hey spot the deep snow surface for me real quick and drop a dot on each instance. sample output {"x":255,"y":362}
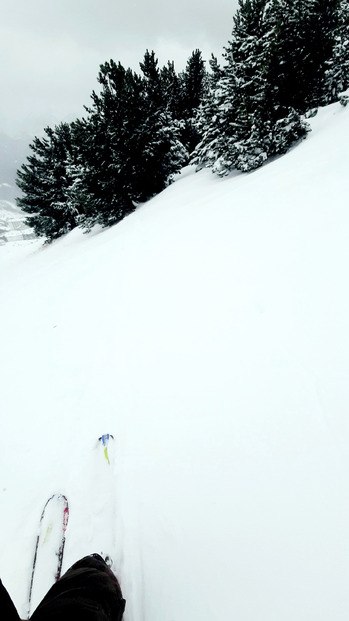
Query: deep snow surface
{"x":209,"y":332}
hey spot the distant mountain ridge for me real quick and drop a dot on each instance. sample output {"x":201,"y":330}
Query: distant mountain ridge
{"x":13,"y":152}
{"x":12,"y":223}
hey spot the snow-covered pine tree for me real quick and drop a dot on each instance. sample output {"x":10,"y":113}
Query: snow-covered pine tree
{"x":194,"y":82}
{"x":130,"y":146}
{"x":159,"y":153}
{"x":209,"y":121}
{"x":108,"y":144}
{"x":78,"y":199}
{"x":290,"y":66}
{"x":337,"y":66}
{"x":284,"y":33}
{"x":44,"y":181}
{"x":235,"y":136}
{"x":194,"y":78}
{"x":78,"y":196}
{"x":172,"y":91}
{"x":247,"y":122}
{"x":303,"y":40}
{"x":246,"y":57}
{"x":326,"y":16}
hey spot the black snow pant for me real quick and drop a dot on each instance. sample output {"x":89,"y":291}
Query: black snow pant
{"x":88,"y":591}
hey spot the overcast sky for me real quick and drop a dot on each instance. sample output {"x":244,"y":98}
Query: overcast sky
{"x":51,"y":50}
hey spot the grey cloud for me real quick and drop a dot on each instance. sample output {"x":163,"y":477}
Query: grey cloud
{"x":53,"y":48}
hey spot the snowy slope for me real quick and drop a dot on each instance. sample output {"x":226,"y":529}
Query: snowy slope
{"x":209,"y":333}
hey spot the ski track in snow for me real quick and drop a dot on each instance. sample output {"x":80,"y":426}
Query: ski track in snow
{"x":208,"y":332}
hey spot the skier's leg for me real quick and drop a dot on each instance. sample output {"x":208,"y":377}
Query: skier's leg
{"x":88,"y":590}
{"x":8,"y":611}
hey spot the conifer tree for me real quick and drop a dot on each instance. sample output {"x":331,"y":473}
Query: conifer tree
{"x":248,"y":122}
{"x":209,"y":122}
{"x":172,"y":91}
{"x":194,"y":86}
{"x":303,"y":40}
{"x":194,"y":82}
{"x":108,"y":144}
{"x":160,"y":152}
{"x":324,"y":28}
{"x":130,"y":141}
{"x":233,"y":138}
{"x":336,"y":78}
{"x":44,"y":181}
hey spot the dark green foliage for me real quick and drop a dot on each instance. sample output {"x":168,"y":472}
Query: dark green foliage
{"x":337,"y":66}
{"x":284,"y":58}
{"x":302,"y":43}
{"x":194,"y":85}
{"x":98,"y":168}
{"x":131,"y":142}
{"x":194,"y":82}
{"x":172,"y":91}
{"x":183,"y":94}
{"x":44,"y":181}
{"x":291,"y":67}
{"x":161,"y":153}
{"x":108,"y":143}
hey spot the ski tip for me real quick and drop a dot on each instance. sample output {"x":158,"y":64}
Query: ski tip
{"x":104,"y":440}
{"x":105,"y":437}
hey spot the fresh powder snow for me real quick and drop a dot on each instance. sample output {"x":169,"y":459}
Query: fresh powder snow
{"x":209,"y":333}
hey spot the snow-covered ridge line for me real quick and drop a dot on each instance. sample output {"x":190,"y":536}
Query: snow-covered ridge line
{"x":12,"y":223}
